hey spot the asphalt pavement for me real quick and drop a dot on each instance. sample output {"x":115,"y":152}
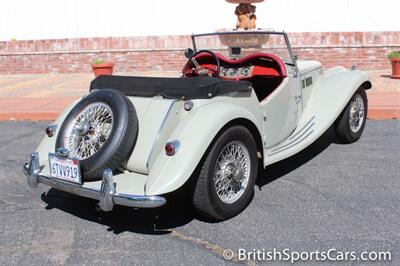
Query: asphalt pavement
{"x":330,"y":196}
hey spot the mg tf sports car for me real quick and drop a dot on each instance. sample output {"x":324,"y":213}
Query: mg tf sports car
{"x":243,"y":100}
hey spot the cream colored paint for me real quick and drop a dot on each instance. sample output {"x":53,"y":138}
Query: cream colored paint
{"x":151,"y":113}
{"x":196,"y":130}
{"x":126,"y":183}
{"x":326,"y":102}
{"x":195,"y":134}
{"x":309,"y":69}
{"x":169,"y":173}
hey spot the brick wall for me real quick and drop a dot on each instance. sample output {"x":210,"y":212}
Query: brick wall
{"x":367,"y":50}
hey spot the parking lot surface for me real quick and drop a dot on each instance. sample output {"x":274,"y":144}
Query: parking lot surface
{"x":345,"y":197}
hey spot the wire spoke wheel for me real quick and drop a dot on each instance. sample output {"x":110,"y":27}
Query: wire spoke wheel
{"x":89,"y":130}
{"x":350,"y":125}
{"x":100,"y":131}
{"x":232,"y":172}
{"x":357,"y":113}
{"x":225,"y":185}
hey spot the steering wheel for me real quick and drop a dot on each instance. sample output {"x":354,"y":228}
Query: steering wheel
{"x":202,"y":70}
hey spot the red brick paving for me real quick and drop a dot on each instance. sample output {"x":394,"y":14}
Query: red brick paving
{"x":25,"y":108}
{"x":384,"y":98}
{"x":384,"y":105}
{"x":44,"y":96}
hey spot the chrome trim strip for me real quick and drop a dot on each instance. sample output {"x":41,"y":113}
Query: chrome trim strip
{"x":285,"y":139}
{"x":294,"y":144}
{"x":159,"y":132}
{"x":309,"y":121}
{"x":294,"y":140}
{"x":107,"y":195}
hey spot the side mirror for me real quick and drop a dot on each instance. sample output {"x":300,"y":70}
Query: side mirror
{"x":189,"y":53}
{"x":296,"y":57}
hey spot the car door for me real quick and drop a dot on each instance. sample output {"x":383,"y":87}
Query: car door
{"x":282,"y":109}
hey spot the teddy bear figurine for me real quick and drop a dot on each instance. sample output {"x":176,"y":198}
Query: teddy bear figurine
{"x":253,"y":17}
{"x":246,"y":19}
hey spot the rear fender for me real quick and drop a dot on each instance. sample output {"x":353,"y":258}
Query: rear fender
{"x":48,"y":144}
{"x":195,"y":135}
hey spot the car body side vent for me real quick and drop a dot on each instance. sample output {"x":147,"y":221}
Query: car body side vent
{"x":309,"y":81}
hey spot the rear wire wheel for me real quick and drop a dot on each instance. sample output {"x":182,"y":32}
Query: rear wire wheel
{"x":225,"y":184}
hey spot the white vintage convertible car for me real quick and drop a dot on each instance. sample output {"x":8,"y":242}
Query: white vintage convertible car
{"x":239,"y":104}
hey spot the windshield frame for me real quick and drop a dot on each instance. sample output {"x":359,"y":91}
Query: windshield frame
{"x":284,"y":34}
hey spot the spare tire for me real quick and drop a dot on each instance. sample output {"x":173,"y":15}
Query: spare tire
{"x":100,"y":131}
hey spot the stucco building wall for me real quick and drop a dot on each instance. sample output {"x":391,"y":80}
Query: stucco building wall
{"x":57,"y":36}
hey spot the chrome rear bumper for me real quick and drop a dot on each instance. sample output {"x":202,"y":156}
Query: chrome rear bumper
{"x":107,"y":194}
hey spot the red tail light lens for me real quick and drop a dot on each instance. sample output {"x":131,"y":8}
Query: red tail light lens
{"x":51,"y":130}
{"x":171,"y":148}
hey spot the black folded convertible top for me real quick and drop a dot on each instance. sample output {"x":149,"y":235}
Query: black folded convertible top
{"x":173,"y":88}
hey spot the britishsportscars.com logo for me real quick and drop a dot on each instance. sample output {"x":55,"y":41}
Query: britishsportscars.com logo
{"x":288,"y":255}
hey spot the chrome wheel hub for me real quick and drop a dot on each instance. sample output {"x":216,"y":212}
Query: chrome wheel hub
{"x":88,"y":132}
{"x":356,"y":116}
{"x":232,"y":172}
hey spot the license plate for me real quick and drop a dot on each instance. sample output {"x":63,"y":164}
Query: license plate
{"x":65,"y":168}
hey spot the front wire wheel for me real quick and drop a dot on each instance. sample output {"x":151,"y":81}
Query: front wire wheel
{"x":351,"y":122}
{"x":225,"y":184}
{"x":357,"y":113}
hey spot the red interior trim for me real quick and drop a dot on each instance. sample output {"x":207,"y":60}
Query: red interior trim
{"x":249,"y":58}
{"x":265,"y":71}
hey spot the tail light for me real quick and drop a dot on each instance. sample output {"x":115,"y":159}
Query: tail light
{"x":51,"y":130}
{"x":172,"y":147}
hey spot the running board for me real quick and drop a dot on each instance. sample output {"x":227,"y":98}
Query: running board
{"x":293,"y":144}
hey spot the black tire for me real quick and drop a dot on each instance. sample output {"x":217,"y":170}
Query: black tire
{"x":344,"y":131}
{"x":120,"y":143}
{"x":205,"y":198}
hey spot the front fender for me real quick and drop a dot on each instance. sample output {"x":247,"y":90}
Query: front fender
{"x":341,"y":77}
{"x":335,"y":91}
{"x":339,"y":85}
{"x":195,"y":134}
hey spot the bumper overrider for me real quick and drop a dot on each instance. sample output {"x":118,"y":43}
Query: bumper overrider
{"x":106,"y":195}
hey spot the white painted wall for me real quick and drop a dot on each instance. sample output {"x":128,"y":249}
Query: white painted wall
{"x":43,"y":19}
